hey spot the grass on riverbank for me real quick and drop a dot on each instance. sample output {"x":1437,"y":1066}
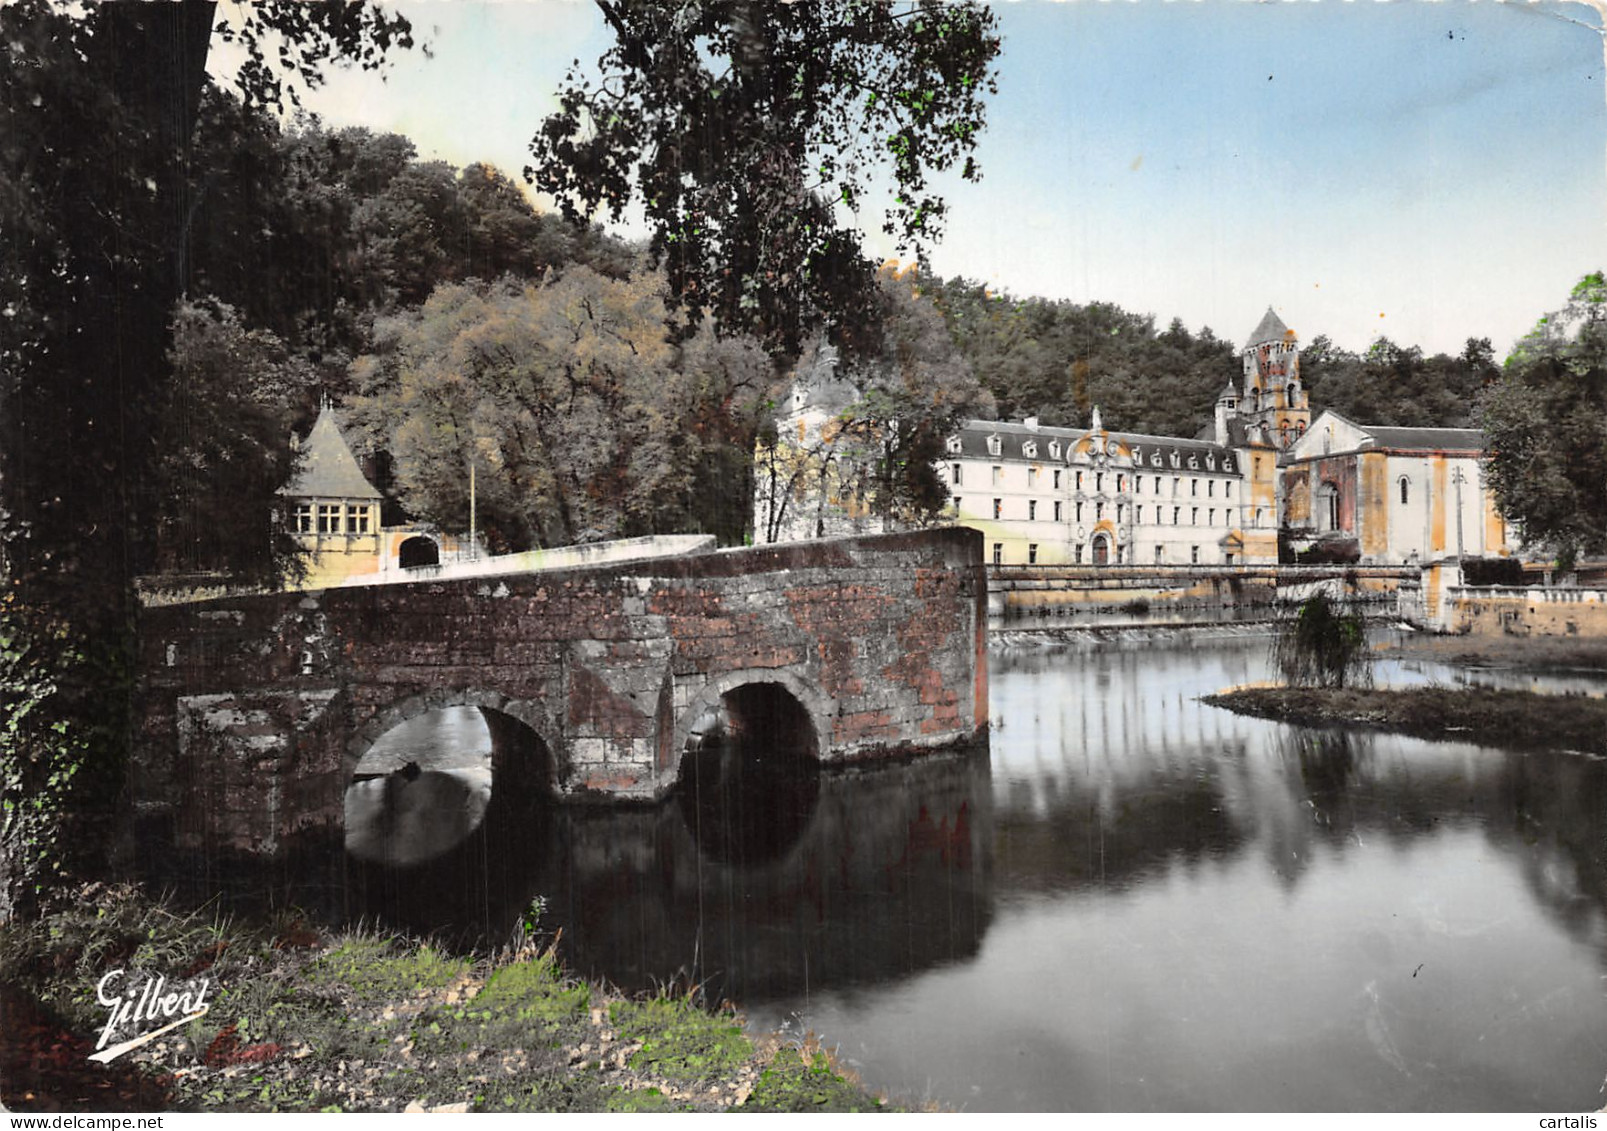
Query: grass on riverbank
{"x":1519,"y":719}
{"x":301,"y":1020}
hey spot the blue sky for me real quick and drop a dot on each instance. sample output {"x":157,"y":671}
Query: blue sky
{"x":1427,"y":170}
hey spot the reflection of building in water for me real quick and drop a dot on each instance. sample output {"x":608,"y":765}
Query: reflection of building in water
{"x":1112,"y":773}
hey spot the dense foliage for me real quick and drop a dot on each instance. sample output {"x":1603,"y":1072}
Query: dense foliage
{"x":1546,"y":422}
{"x":583,"y":419}
{"x":1057,"y":359}
{"x":97,"y":195}
{"x":748,"y":130}
{"x":881,"y":449}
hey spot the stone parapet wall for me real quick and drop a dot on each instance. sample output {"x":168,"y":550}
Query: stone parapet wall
{"x":254,"y":711}
{"x":531,"y":561}
{"x":1031,"y":588}
{"x":1526,"y":612}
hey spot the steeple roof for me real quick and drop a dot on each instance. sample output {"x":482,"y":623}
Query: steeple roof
{"x":1269,"y":329}
{"x":328,"y":468}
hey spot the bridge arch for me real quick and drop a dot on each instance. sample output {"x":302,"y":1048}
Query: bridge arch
{"x":747,"y":767}
{"x":522,"y":753}
{"x":728,"y":694}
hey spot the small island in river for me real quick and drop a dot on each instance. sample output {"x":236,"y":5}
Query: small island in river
{"x":1519,"y":719}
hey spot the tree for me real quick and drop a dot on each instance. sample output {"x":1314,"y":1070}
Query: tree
{"x":583,"y":419}
{"x":877,"y":456}
{"x":224,"y":449}
{"x":95,"y":172}
{"x":743,"y":127}
{"x":1545,"y":421}
{"x":1323,"y":644}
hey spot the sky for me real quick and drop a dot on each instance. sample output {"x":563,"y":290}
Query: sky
{"x":1429,"y":170}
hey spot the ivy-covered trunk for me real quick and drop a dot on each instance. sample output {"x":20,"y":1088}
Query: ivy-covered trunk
{"x":64,"y":741}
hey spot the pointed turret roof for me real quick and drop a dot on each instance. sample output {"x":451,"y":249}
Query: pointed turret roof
{"x":328,"y":468}
{"x":1269,"y":329}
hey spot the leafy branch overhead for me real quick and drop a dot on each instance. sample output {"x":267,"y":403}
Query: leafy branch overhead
{"x":750,"y":133}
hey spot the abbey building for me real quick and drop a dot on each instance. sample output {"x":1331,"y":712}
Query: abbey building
{"x":1043,"y":495}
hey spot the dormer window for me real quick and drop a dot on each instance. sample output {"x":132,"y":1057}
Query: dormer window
{"x":1194,"y":463}
{"x":954,"y":445}
{"x":1210,"y":461}
{"x":1177,"y":460}
{"x":1030,"y":449}
{"x":994,"y":446}
{"x":1138,"y":455}
{"x":1054,"y":449}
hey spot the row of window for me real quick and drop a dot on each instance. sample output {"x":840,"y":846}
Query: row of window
{"x":330,"y":518}
{"x":1122,"y":554}
{"x":957,"y":478}
{"x":1078,"y":514}
{"x":1029,"y":450}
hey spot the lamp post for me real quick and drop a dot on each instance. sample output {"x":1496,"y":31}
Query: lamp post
{"x":1457,"y":479}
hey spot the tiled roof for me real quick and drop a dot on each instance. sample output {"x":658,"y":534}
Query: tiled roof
{"x":328,"y":468}
{"x":1426,"y":439}
{"x":1269,"y":329}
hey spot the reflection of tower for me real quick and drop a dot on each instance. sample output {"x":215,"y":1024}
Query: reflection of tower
{"x":1273,"y":395}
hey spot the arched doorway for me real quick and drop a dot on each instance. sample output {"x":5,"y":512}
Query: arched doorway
{"x":1101,"y":550}
{"x":418,"y":551}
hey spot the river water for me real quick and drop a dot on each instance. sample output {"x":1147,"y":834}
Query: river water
{"x":1130,"y":901}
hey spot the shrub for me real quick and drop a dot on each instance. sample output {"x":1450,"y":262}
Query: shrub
{"x":1324,"y":644}
{"x":1492,"y":571}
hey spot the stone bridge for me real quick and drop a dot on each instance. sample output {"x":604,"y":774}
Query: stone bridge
{"x":253,"y":712}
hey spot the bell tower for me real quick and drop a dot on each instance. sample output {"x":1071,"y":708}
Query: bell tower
{"x":1274,"y":396}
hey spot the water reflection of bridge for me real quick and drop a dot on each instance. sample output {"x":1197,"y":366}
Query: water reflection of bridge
{"x":856,"y":878}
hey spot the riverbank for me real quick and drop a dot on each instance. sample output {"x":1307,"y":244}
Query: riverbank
{"x":1519,"y":719}
{"x":304,"y":1019}
{"x":1549,"y":653}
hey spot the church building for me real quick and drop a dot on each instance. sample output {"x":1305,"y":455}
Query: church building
{"x":1393,"y":494}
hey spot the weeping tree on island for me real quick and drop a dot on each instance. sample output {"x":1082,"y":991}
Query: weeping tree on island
{"x":1324,"y":644}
